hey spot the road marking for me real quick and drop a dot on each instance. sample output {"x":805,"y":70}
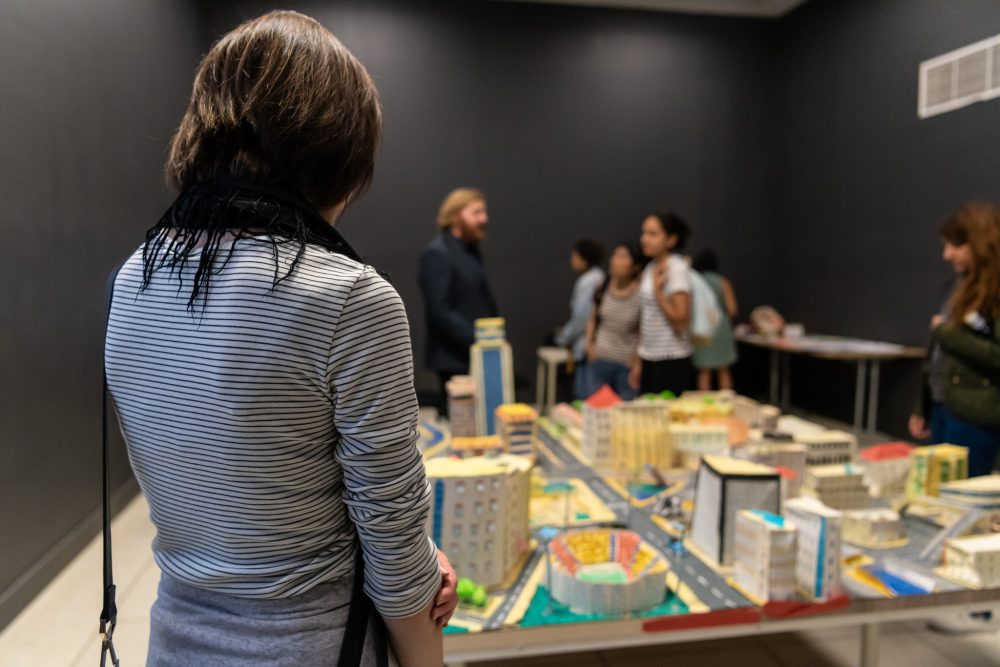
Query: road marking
{"x":702,"y":580}
{"x":716,"y":593}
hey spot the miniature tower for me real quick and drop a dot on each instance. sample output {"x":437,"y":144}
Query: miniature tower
{"x":935,"y":465}
{"x":640,"y":435}
{"x":462,"y":406}
{"x":480,"y":513}
{"x":516,"y":423}
{"x":765,"y":555}
{"x":597,"y":443}
{"x":723,"y":487}
{"x":492,"y":371}
{"x":817,"y":566}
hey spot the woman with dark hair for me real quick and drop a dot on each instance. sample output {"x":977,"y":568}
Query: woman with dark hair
{"x":960,"y":401}
{"x":585,"y":259}
{"x":664,"y":354}
{"x":263,"y":378}
{"x":720,"y":354}
{"x":613,"y":327}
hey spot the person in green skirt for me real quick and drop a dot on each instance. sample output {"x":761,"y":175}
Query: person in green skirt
{"x":721,"y":353}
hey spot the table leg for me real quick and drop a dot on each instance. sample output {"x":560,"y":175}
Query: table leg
{"x":540,"y":386}
{"x":786,"y":382}
{"x":859,"y":395}
{"x":873,"y":382}
{"x":775,"y":377}
{"x":869,"y":645}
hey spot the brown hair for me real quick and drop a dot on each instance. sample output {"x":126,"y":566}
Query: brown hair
{"x":978,"y":225}
{"x":280,"y":100}
{"x":455,"y":201}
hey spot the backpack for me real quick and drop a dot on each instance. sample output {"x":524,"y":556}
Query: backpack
{"x":706,"y":313}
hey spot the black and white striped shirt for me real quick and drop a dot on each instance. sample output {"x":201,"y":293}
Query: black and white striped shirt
{"x":658,"y":341}
{"x":268,"y":424}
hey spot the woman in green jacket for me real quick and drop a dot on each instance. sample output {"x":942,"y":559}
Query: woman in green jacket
{"x":966,"y":372}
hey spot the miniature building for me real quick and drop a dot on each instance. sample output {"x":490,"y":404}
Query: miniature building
{"x":828,"y":447}
{"x":566,"y":416}
{"x":974,"y":560}
{"x":797,"y":426}
{"x":817,"y":563}
{"x":462,"y":406}
{"x":759,"y":416}
{"x":886,"y":467}
{"x":597,"y":441}
{"x":692,"y":440}
{"x":765,"y":555}
{"x":571,"y":421}
{"x":722,"y":396}
{"x":639,"y":435}
{"x":840,"y":486}
{"x":602,"y":571}
{"x":873,"y":528}
{"x":516,"y":423}
{"x":492,"y":371}
{"x":935,"y":465}
{"x":790,"y":456}
{"x":486,"y":445}
{"x":687,"y":408}
{"x":979,"y":492}
{"x":722,"y":488}
{"x":480,"y":514}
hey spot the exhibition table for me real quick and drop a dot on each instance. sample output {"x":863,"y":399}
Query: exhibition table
{"x":867,"y":356}
{"x":866,"y":614}
{"x":712,"y":608}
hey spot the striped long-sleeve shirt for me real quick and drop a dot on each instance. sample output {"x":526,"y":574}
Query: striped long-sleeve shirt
{"x":267,"y":425}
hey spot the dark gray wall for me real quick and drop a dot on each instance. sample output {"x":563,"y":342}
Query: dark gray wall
{"x":575,"y":122}
{"x":863,"y":182}
{"x":92,"y":90}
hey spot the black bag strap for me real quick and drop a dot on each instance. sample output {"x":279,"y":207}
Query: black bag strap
{"x":353,"y":645}
{"x":109,"y":612}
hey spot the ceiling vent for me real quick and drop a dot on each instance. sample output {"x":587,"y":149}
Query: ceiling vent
{"x":959,"y":78}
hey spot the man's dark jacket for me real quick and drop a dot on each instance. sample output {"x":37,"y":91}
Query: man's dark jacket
{"x":456,"y":293}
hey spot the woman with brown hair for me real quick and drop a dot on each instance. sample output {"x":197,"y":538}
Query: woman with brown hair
{"x":263,"y":378}
{"x":960,"y":401}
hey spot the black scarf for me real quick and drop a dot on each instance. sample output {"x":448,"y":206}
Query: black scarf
{"x":205,"y":214}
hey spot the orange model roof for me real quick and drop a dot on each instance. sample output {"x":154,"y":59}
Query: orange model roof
{"x":886,"y":451}
{"x":604,"y":397}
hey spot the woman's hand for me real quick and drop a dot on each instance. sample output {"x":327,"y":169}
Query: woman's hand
{"x":591,"y":352}
{"x":447,"y":597}
{"x":936,"y":321}
{"x":659,"y":278}
{"x":635,"y":374}
{"x":918,"y":427}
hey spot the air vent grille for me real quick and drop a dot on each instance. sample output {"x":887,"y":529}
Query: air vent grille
{"x":959,"y":78}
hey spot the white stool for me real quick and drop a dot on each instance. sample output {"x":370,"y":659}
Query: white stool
{"x":549,"y":359}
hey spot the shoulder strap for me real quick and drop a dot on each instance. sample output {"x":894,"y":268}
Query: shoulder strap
{"x":109,"y":612}
{"x":352,"y":646}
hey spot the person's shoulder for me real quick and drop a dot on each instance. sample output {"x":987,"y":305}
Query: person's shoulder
{"x":437,"y":244}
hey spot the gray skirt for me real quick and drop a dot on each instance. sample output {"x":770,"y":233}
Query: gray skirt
{"x":191,"y":626}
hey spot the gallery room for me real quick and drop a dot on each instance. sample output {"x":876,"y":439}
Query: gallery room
{"x":496,"y":332}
